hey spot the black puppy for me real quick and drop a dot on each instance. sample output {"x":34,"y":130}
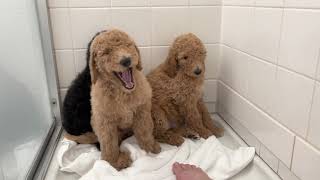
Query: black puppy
{"x":77,"y":106}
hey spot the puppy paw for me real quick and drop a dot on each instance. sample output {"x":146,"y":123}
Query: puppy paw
{"x":123,"y":161}
{"x":176,"y":140}
{"x":205,"y":133}
{"x":193,"y":136}
{"x":156,"y":148}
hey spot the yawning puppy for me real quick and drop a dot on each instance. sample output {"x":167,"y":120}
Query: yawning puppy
{"x":177,"y":106}
{"x":120,"y":96}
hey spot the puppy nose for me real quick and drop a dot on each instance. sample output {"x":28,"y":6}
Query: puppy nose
{"x":126,"y":61}
{"x":197,"y":71}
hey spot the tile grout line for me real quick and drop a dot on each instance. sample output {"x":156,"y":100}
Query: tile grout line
{"x":292,"y":155}
{"x":268,"y":62}
{"x":266,"y":113}
{"x":313,"y":96}
{"x":279,"y":42}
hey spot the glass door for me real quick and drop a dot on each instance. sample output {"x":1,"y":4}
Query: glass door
{"x":26,"y":117}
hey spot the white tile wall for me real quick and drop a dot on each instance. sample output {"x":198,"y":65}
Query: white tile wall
{"x":57,"y":3}
{"x":125,"y":3}
{"x":314,"y":126}
{"x":210,"y":91}
{"x":89,"y":3}
{"x":205,"y":23}
{"x":300,"y":41}
{"x":80,"y":59}
{"x":302,"y":3}
{"x":285,"y":173}
{"x":169,"y":2}
{"x":205,"y":2}
{"x":159,"y":55}
{"x":306,"y":160}
{"x":139,"y":25}
{"x":86,"y":22}
{"x":293,"y":100}
{"x":280,"y":106}
{"x":269,"y":158}
{"x":66,"y":68}
{"x":264,"y":39}
{"x":61,"y":30}
{"x":212,"y":61}
{"x":145,"y":53}
{"x":168,"y":23}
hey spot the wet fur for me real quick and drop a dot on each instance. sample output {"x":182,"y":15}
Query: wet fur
{"x":178,"y":109}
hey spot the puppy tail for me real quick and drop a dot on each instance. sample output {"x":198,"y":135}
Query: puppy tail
{"x":87,"y":138}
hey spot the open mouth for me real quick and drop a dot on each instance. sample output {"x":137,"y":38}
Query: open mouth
{"x":126,"y":78}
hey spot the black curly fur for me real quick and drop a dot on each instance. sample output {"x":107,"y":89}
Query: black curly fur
{"x":77,"y":106}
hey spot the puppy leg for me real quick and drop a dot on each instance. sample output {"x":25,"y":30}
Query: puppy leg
{"x":162,"y":126}
{"x":86,"y":138}
{"x":109,"y":144}
{"x":194,"y":120}
{"x":187,"y":132}
{"x":143,"y":129}
{"x":207,"y":121}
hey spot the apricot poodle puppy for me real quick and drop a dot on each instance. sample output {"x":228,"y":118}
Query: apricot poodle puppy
{"x":120,"y":96}
{"x":177,"y":107}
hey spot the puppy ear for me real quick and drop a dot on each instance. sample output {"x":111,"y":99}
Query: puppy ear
{"x":171,"y":64}
{"x":93,"y":66}
{"x":139,"y":65}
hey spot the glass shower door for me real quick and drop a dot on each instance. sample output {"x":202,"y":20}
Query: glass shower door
{"x":25,"y":112}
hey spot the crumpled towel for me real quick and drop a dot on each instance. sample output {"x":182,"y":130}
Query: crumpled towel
{"x":217,"y":160}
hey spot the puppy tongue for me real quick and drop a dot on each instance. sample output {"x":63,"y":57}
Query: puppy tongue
{"x":126,"y":77}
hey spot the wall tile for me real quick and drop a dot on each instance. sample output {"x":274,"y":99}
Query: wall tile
{"x":300,"y":42}
{"x":269,"y":3}
{"x":66,"y":69}
{"x":169,"y":2}
{"x":269,"y":158}
{"x":285,"y":173}
{"x":210,"y":91}
{"x":139,"y":26}
{"x":266,"y":31}
{"x":211,"y":107}
{"x":273,"y":135}
{"x":63,"y":93}
{"x":57,"y":3}
{"x":318,"y":76}
{"x":314,"y":126}
{"x":205,"y":2}
{"x":212,"y":61}
{"x":89,"y":3}
{"x":239,"y":2}
{"x":261,"y":84}
{"x":234,"y":69}
{"x":159,"y":55}
{"x":236,"y":26}
{"x":119,"y":3}
{"x":306,"y":161}
{"x":302,"y":3}
{"x":205,"y":23}
{"x":145,"y":53}
{"x":168,"y":23}
{"x":250,"y":139}
{"x":293,"y":100}
{"x":80,"y":59}
{"x":86,"y":23}
{"x":60,"y":23}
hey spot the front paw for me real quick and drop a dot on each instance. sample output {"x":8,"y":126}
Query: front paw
{"x":205,"y":133}
{"x":151,"y":147}
{"x":123,"y":161}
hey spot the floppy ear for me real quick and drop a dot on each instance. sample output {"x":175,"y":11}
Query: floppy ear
{"x":139,"y":65}
{"x":171,"y":64}
{"x":93,"y":66}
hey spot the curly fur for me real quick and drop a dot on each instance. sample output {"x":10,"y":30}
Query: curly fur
{"x":177,"y":107}
{"x":116,"y":109}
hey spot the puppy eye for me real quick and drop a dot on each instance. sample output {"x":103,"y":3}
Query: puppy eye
{"x":185,"y":57}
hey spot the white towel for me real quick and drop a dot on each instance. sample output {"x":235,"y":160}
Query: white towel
{"x":217,"y":160}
